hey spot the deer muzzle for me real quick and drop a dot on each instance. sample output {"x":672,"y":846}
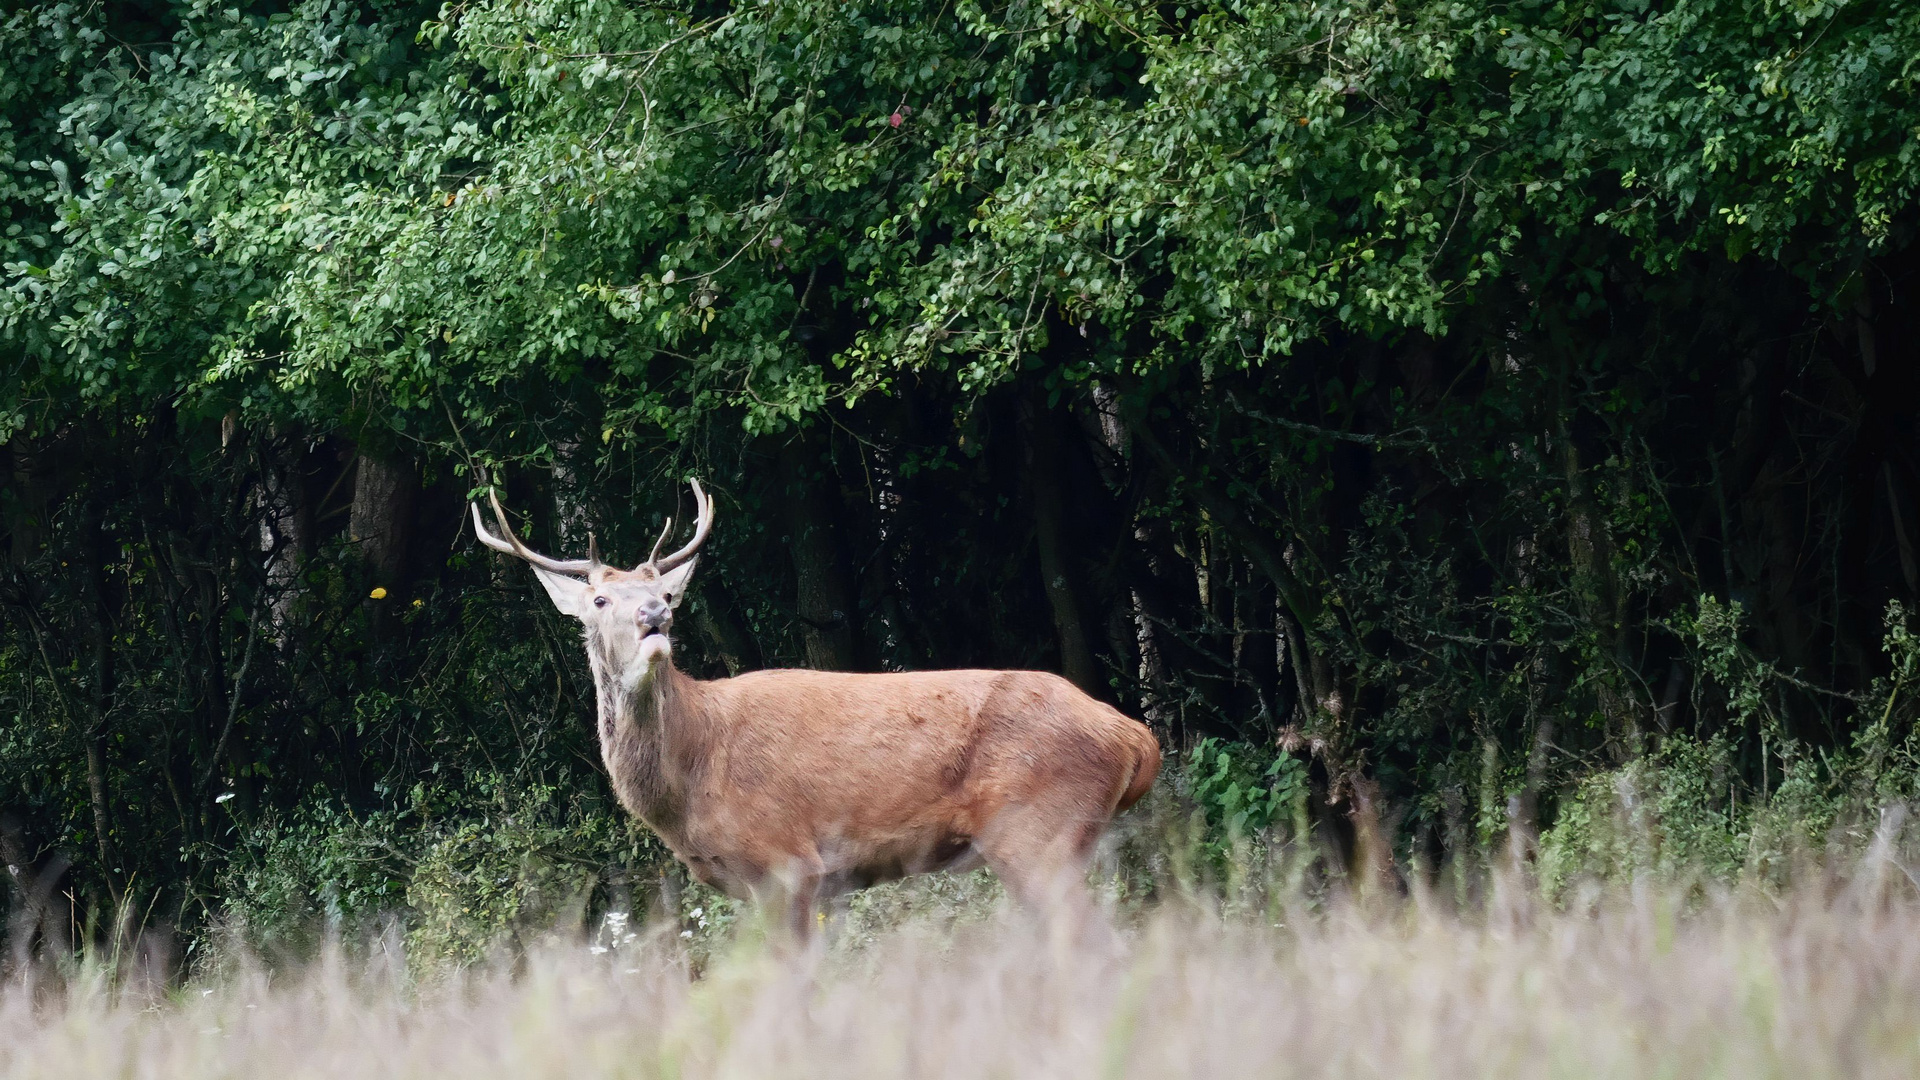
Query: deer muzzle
{"x":653,"y":617}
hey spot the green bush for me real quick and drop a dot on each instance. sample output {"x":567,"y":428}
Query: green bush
{"x":1684,"y":810}
{"x":1243,"y":792}
{"x":1670,"y":812}
{"x":317,"y":867}
{"x":465,"y":869}
{"x":532,"y":865}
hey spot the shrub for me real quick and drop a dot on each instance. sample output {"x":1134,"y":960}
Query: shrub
{"x":1243,"y":792}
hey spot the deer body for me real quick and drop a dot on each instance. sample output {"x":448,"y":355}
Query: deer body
{"x":851,"y":780}
{"x":789,"y":785}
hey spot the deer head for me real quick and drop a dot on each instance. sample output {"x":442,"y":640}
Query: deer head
{"x":627,"y":614}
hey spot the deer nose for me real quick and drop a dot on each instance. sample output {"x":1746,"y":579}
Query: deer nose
{"x":653,"y":613}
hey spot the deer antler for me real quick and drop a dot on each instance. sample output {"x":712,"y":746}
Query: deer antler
{"x":665,"y":531}
{"x":703,"y":524}
{"x":512,"y":545}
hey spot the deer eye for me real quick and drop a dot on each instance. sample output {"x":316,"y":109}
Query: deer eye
{"x":668,"y":597}
{"x":599,"y":601}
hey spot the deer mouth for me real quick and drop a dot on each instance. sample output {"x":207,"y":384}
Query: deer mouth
{"x":654,"y":646}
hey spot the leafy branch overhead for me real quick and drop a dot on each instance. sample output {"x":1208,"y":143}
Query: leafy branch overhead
{"x":759,"y":211}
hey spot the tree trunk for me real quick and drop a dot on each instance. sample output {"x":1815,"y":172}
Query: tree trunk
{"x":715,"y":619}
{"x":286,"y":531}
{"x":1048,"y":492}
{"x":573,"y":518}
{"x":1256,"y":653}
{"x":99,"y":699}
{"x":381,"y":522}
{"x":823,"y":586}
{"x":1590,"y":553}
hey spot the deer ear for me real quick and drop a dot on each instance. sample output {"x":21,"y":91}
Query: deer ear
{"x":569,"y":594}
{"x":673,"y":583}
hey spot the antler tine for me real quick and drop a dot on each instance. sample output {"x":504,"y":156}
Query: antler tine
{"x":512,"y":545}
{"x":487,"y":538}
{"x":665,"y":531}
{"x":703,"y":524}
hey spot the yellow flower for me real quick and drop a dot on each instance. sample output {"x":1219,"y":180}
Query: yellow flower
{"x":378,"y":593}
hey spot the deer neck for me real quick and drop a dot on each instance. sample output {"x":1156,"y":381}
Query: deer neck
{"x":650,"y":732}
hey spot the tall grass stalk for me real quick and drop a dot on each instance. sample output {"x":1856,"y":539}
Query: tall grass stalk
{"x":1648,"y":979}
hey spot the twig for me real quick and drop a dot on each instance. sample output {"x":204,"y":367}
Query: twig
{"x":239,"y":680}
{"x":1398,"y":440}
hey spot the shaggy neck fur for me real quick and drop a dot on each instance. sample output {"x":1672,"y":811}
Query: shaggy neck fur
{"x":646,"y":735}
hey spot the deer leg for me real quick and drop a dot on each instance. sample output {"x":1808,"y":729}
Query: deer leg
{"x":800,"y":907}
{"x":787,"y":896}
{"x":1041,"y":853}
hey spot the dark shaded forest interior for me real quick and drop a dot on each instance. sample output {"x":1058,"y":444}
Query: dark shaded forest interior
{"x":1462,"y":404}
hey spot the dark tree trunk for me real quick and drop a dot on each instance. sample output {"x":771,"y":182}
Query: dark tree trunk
{"x":1596,"y":590}
{"x":99,"y":630}
{"x":286,"y":529}
{"x":823,"y":589}
{"x":1048,"y":492}
{"x":717,"y":621}
{"x":1256,"y":656}
{"x":385,"y":490}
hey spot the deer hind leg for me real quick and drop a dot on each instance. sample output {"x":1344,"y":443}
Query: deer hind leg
{"x":1041,"y":852}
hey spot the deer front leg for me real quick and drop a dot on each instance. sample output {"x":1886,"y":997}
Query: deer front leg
{"x":801,"y":905}
{"x":789,"y":896}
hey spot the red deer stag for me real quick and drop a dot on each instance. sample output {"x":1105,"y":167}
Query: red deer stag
{"x":789,"y":786}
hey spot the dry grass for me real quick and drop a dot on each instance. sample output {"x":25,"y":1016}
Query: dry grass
{"x":1822,"y":982}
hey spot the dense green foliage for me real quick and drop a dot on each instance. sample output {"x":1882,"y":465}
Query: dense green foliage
{"x":1475,"y":404}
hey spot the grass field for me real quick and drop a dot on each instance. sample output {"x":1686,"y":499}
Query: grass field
{"x":1652,"y":980}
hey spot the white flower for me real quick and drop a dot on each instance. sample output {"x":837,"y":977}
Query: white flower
{"x":697,"y":912}
{"x":223,"y":797}
{"x":596,"y":949}
{"x":686,"y":933}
